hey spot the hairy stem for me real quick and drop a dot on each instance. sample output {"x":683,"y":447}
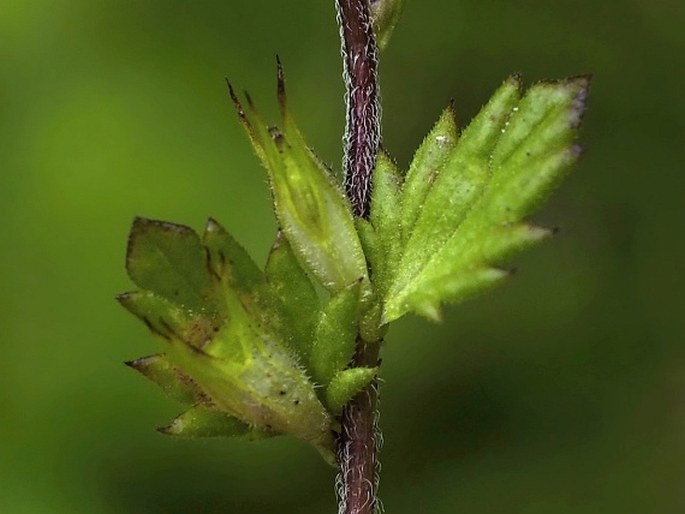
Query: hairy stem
{"x":363,"y":127}
{"x":357,"y":443}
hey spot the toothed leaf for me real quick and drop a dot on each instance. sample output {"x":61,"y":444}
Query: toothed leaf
{"x":175,"y":384}
{"x":170,"y":320}
{"x":250,"y":376}
{"x":202,"y":421}
{"x":505,"y":164}
{"x":232,"y":345}
{"x":457,"y":185}
{"x":169,"y":260}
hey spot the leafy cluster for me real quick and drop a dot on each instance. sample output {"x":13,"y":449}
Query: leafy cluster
{"x":438,"y":233}
{"x":261,"y":352}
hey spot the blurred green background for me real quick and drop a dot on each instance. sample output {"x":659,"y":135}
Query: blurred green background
{"x":563,"y":392}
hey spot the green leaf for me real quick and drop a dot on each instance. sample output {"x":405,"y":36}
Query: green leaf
{"x":170,"y":320}
{"x":336,"y":334}
{"x":228,"y":344}
{"x":175,"y":384}
{"x":169,"y":260}
{"x":385,"y":15}
{"x":426,"y":301}
{"x":457,"y":185}
{"x":250,"y":376}
{"x":226,"y":258}
{"x":429,"y":160}
{"x":201,"y":421}
{"x":370,"y":243}
{"x":311,"y":209}
{"x":386,"y":210}
{"x":295,"y":294}
{"x":346,"y":384}
{"x":503,"y":167}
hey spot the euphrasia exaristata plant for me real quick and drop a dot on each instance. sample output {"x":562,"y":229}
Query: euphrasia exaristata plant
{"x":280,"y":349}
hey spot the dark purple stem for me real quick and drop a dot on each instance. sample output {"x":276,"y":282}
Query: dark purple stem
{"x":363,"y":127}
{"x":357,"y":443}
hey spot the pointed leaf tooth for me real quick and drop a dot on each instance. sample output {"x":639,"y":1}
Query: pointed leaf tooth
{"x":247,"y":126}
{"x":547,"y":118}
{"x":480,"y":244}
{"x":428,"y":162}
{"x":202,"y":421}
{"x":345,"y":385}
{"x":175,"y":384}
{"x":268,"y":138}
{"x":169,"y":260}
{"x":454,"y":288}
{"x":430,"y":310}
{"x":336,"y":334}
{"x":174,"y":324}
{"x":539,"y":150}
{"x":499,"y":244}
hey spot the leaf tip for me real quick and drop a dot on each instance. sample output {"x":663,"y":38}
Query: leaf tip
{"x":213,"y":226}
{"x":166,"y":430}
{"x":431,"y":311}
{"x":580,"y":87}
{"x":237,"y":104}
{"x":142,"y":363}
{"x":124,"y":298}
{"x":515,"y":80}
{"x":280,"y":88}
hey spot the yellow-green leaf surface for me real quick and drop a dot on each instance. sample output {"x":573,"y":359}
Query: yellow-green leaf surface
{"x":217,"y":325}
{"x":175,"y":384}
{"x":202,"y":421}
{"x":463,"y":207}
{"x":310,"y":207}
{"x":385,"y":217}
{"x":346,"y":384}
{"x":428,"y":161}
{"x":169,"y":260}
{"x":292,"y":289}
{"x":336,"y":334}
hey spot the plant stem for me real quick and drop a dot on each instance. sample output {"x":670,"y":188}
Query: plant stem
{"x":363,"y":127}
{"x":357,"y":443}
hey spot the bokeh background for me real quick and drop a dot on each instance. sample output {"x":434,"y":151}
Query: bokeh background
{"x":563,"y":392}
